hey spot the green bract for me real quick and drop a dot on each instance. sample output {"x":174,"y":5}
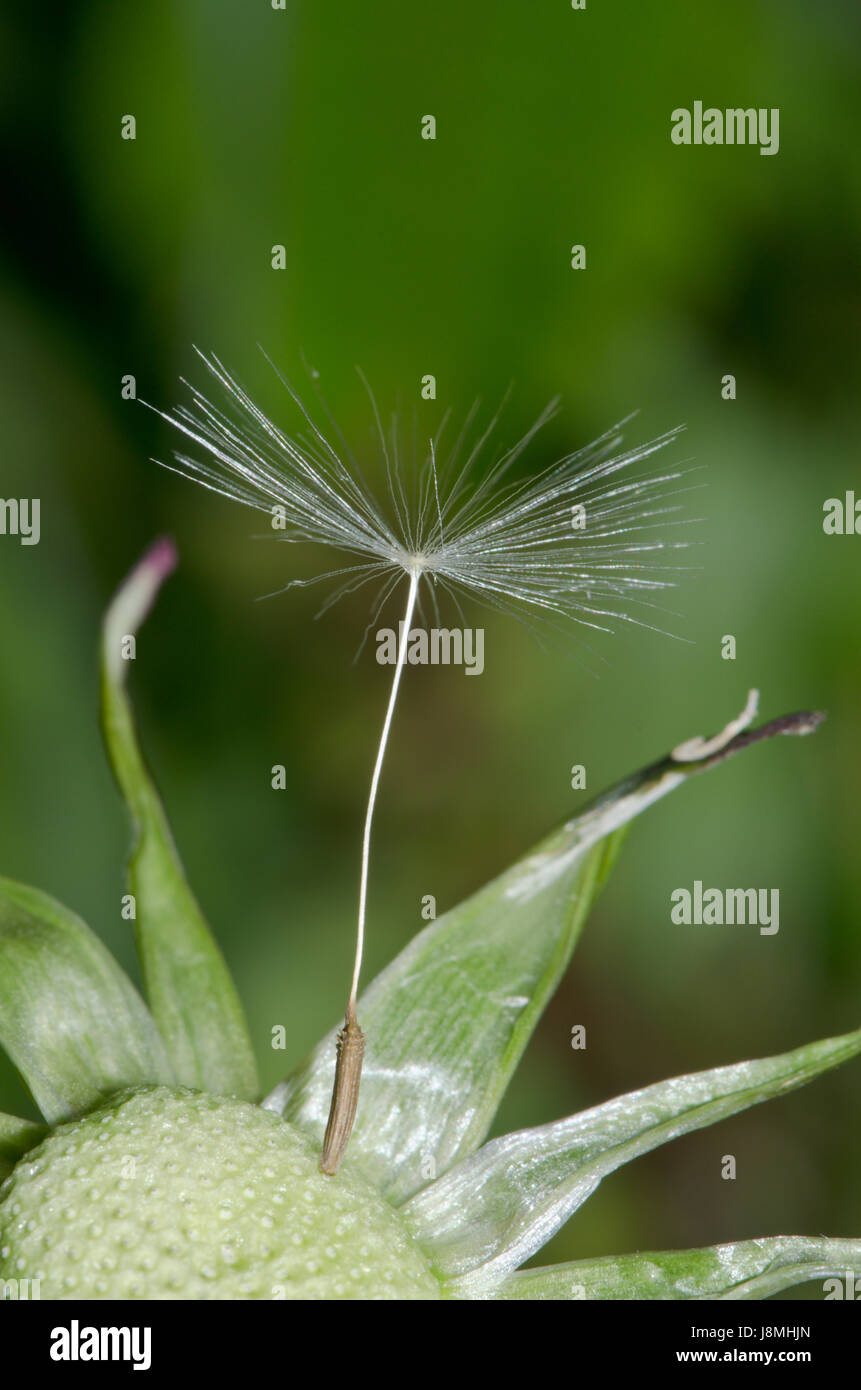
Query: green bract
{"x":160,"y":1176}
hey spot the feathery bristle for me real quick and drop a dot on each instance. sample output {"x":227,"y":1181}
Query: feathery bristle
{"x":511,"y":543}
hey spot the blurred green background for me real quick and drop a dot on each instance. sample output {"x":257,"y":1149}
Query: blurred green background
{"x":301,"y":127}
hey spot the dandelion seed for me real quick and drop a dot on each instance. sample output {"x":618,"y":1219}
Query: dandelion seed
{"x":580,"y":541}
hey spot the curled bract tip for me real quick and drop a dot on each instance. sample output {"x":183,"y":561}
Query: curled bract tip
{"x":694,"y":749}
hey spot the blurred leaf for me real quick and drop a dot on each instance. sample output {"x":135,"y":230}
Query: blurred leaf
{"x":447,"y":1021}
{"x":490,"y":1213}
{"x":70,"y":1019}
{"x":16,"y":1137}
{"x":187,"y":983}
{"x":748,"y":1269}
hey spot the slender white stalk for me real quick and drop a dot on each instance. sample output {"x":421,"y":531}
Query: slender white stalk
{"x":375,"y":779}
{"x":350,"y":1049}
